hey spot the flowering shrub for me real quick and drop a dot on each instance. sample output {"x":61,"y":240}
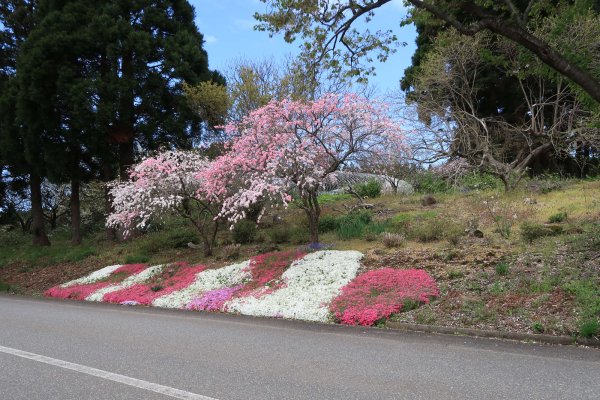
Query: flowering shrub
{"x":171,"y":278}
{"x":80,"y":289}
{"x":297,"y":146}
{"x":310,"y":284}
{"x":377,"y":294}
{"x":163,"y":184}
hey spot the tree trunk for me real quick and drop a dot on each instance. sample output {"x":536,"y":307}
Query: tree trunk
{"x":37,"y":216}
{"x":107,"y":175}
{"x":313,"y":224}
{"x":75,"y":212}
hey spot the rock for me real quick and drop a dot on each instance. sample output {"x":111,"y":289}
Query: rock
{"x":428,"y":200}
{"x":477,"y":233}
{"x":530,"y":201}
{"x":474,"y":233}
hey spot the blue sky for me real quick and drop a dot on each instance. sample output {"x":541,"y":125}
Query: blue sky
{"x":227,"y":26}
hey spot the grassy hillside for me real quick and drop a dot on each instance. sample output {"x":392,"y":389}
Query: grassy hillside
{"x":526,"y":261}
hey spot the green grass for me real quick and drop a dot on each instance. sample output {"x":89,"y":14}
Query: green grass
{"x":502,"y":268}
{"x":327,"y":198}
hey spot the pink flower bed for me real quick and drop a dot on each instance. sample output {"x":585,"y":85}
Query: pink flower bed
{"x":80,"y":292}
{"x":172,"y":277}
{"x":266,"y":270}
{"x":213,"y":300}
{"x":377,"y":294}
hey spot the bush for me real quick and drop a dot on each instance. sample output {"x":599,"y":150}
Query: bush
{"x":244,"y":231}
{"x":589,"y":328}
{"x":299,"y":235}
{"x":370,"y":189}
{"x":558,"y":217}
{"x":481,"y":181}
{"x":502,"y":268}
{"x":430,"y":230}
{"x":136,"y":259}
{"x":328,"y":223}
{"x":230,"y":251}
{"x":353,"y":224}
{"x":279,"y":235}
{"x":428,"y":182}
{"x":427,"y":231}
{"x":532,"y":231}
{"x":390,"y":239}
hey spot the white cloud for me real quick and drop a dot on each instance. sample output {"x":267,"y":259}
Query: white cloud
{"x":209,"y":39}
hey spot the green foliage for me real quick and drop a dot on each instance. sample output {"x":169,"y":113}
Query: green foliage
{"x":531,"y":231}
{"x":587,"y":294}
{"x":353,"y":225}
{"x":279,"y":235}
{"x":328,"y":223}
{"x":428,"y":183}
{"x":481,"y":181}
{"x":4,"y":287}
{"x":244,"y":231}
{"x":327,"y":198}
{"x":537,"y":327}
{"x":431,"y":230}
{"x":502,"y":268}
{"x":370,"y":189}
{"x":136,"y":258}
{"x":558,"y":217}
{"x":170,"y":237}
{"x":589,"y":328}
{"x":455,"y":274}
{"x":299,"y":235}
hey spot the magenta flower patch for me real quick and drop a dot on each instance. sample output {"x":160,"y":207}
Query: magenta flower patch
{"x":213,"y":300}
{"x":266,"y":270}
{"x":80,"y":292}
{"x":172,"y":277}
{"x":377,"y":294}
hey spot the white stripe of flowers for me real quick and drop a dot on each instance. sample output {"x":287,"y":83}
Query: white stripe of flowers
{"x":130,"y":281}
{"x":312,"y":282}
{"x":210,"y":279}
{"x":93,"y":277}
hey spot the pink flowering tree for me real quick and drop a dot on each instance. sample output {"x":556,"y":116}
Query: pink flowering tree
{"x":290,"y":148}
{"x":164,"y":184}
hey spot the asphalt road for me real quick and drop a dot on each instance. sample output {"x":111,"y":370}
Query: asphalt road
{"x":70,"y":350}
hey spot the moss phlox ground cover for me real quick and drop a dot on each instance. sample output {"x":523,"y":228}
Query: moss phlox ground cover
{"x":375,"y":295}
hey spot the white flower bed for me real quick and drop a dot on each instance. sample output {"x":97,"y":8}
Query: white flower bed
{"x":210,"y":279}
{"x":130,"y":281}
{"x":93,"y":277}
{"x":312,"y":282}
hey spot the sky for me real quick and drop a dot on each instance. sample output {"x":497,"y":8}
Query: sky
{"x":227,"y":26}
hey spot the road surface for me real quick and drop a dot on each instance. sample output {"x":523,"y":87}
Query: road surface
{"x":70,"y":350}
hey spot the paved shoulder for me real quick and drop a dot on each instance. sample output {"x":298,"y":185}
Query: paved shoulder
{"x":228,"y":357}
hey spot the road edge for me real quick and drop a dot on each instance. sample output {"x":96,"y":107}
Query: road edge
{"x":539,"y":338}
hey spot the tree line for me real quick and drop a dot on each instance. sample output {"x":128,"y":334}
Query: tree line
{"x":85,"y":86}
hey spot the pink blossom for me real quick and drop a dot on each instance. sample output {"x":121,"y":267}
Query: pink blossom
{"x":377,"y":294}
{"x":172,"y":277}
{"x":80,"y":292}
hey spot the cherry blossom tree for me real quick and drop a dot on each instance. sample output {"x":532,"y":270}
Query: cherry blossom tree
{"x":163,"y":184}
{"x":291,"y":148}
